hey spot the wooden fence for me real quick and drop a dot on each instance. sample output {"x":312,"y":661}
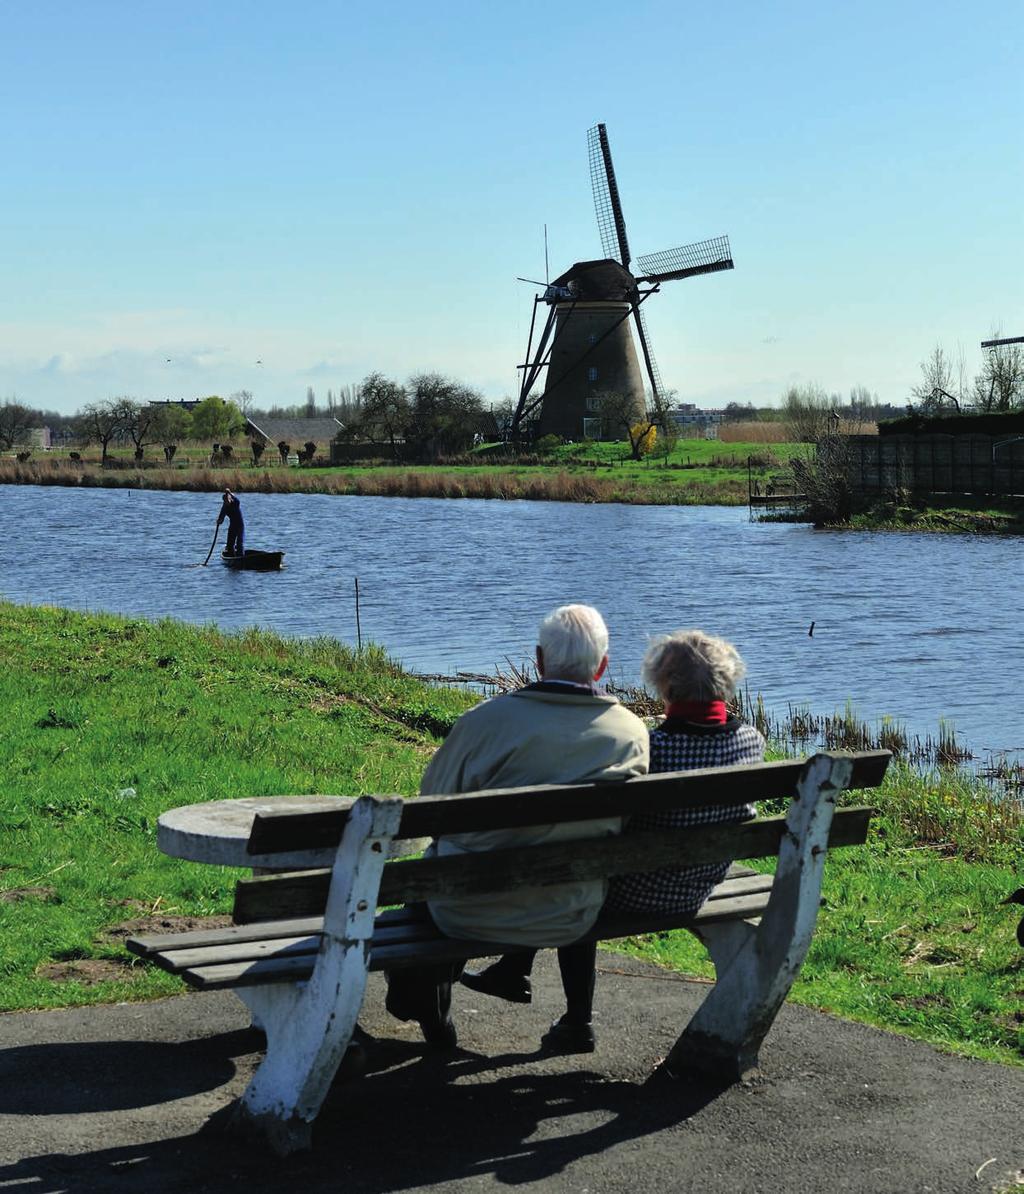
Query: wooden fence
{"x":937,"y":463}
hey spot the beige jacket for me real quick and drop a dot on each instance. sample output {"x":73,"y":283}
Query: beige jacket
{"x":539,"y":735}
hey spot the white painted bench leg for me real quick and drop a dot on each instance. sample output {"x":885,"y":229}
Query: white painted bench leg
{"x":309,"y":1025}
{"x":756,"y":973}
{"x":724,"y":941}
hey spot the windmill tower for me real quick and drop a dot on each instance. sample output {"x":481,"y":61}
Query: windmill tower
{"x":586,"y":344}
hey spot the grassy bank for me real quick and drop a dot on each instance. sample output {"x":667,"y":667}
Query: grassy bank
{"x":110,"y":721}
{"x":961,"y":515}
{"x":696,"y":472}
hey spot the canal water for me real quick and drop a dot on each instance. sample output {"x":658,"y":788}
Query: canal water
{"x":915,"y":627}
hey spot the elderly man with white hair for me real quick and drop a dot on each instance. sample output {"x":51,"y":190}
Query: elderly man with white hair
{"x":559,"y":730}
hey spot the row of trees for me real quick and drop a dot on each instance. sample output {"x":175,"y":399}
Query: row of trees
{"x":861,"y":406}
{"x":123,"y":420}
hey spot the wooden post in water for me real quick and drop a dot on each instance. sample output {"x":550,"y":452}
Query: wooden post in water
{"x":359,"y":630}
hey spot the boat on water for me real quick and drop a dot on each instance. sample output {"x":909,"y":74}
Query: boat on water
{"x":255,"y":561}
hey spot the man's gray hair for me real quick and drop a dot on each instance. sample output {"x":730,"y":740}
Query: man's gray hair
{"x":689,"y":665}
{"x":574,"y":640}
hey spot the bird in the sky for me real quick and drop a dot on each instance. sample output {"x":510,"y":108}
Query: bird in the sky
{"x":259,"y":362}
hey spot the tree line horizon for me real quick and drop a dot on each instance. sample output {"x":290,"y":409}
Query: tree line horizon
{"x":435,"y":413}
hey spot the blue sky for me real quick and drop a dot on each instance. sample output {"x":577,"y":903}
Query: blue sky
{"x":337,"y":188}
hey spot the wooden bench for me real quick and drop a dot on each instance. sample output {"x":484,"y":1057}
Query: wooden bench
{"x":303,"y":942}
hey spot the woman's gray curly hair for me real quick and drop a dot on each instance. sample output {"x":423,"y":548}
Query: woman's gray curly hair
{"x":689,"y":665}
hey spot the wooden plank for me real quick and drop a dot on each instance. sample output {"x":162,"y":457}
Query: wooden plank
{"x":432,"y":816}
{"x":297,"y":968}
{"x":176,"y":960}
{"x":745,"y":885}
{"x":144,"y":946}
{"x":249,"y":943}
{"x":431,"y":947}
{"x":466,"y":875}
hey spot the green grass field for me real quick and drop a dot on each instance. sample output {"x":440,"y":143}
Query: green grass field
{"x":110,"y":721}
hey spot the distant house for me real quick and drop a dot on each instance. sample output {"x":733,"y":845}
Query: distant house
{"x":295,"y":432}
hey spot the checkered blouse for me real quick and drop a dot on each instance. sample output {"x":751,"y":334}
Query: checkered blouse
{"x":685,"y":746}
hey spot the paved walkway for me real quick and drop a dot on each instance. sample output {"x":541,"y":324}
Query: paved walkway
{"x":118,"y":1098}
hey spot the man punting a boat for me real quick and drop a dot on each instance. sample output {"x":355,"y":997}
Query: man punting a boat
{"x":231,"y":510}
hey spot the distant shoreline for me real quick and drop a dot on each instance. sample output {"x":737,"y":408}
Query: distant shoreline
{"x":561,"y":481}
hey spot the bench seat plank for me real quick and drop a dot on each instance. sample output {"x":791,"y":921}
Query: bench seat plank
{"x":150,"y":944}
{"x":201,"y":948}
{"x":398,"y":933}
{"x":229,"y":966}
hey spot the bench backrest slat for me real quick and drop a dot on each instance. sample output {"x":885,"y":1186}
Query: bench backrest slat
{"x":303,"y":893}
{"x":432,"y":816}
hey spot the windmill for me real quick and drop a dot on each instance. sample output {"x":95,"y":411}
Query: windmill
{"x":586,"y":345}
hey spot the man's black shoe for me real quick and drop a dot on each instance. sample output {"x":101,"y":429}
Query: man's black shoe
{"x":514,"y":988}
{"x":563,"y":1037}
{"x":439,"y":1031}
{"x":398,"y":1004}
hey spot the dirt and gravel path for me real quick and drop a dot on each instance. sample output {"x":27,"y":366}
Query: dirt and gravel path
{"x":119,"y":1098}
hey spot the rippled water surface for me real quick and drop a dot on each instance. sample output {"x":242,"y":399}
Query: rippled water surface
{"x":915,"y":626}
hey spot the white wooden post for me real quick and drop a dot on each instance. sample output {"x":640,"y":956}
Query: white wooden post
{"x":757,"y":966}
{"x":309,"y":1025}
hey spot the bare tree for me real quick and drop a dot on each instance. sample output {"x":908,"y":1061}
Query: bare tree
{"x":825,"y":481}
{"x":863,"y":404}
{"x":102,"y":422}
{"x":16,"y":421}
{"x":243,"y":400}
{"x":934,"y":392}
{"x":142,"y":424}
{"x":622,"y":416}
{"x":1000,"y":384}
{"x":810,"y":413}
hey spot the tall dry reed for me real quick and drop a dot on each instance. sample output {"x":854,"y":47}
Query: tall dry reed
{"x":754,"y":433}
{"x":562,"y":486}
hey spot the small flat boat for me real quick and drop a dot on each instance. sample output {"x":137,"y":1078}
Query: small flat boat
{"x":255,"y":561}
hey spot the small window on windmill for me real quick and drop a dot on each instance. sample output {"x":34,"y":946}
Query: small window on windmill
{"x":592,"y":338}
{"x":592,"y":373}
{"x":593,"y":404}
{"x":591,"y":428}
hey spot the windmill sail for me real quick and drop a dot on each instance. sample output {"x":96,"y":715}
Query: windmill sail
{"x":702,"y":257}
{"x":653,"y":372}
{"x":606,"y":197}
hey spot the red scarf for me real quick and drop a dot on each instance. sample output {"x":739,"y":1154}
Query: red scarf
{"x":704,"y":713}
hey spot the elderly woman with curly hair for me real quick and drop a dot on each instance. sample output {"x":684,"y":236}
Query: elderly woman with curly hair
{"x":695,"y":675}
